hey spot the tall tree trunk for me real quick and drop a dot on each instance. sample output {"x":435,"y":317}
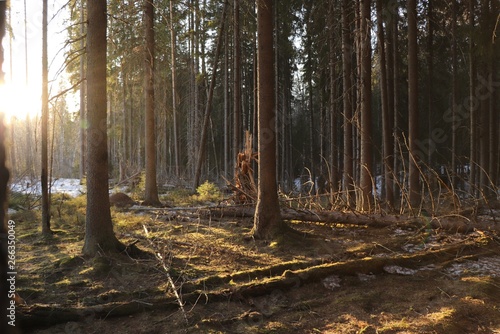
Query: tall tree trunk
{"x":267,"y":220}
{"x":347,"y":48}
{"x":227,"y":131}
{"x":484,"y":95}
{"x":236,"y":79}
{"x":365,"y":185}
{"x":454,"y":93}
{"x":45,"y":119}
{"x":430,"y":74}
{"x":472,"y":105}
{"x":414,"y":187}
{"x":395,"y":97}
{"x":493,"y":124}
{"x":312,"y":153}
{"x":387,"y":147}
{"x":151,"y":188}
{"x":332,"y":104}
{"x":82,"y":95}
{"x":173,"y":46}
{"x":99,"y":235}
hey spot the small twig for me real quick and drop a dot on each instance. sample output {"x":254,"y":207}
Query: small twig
{"x":142,"y":302}
{"x":170,"y":280}
{"x":444,"y":292}
{"x":380,"y":245}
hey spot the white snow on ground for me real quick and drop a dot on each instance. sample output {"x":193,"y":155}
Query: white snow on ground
{"x":486,"y":266}
{"x":71,"y":187}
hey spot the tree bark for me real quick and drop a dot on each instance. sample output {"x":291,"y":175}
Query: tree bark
{"x":430,"y":74}
{"x":347,"y":48}
{"x":99,"y":235}
{"x":173,"y":46}
{"x":366,"y":172}
{"x":151,"y":188}
{"x":267,"y":219}
{"x":45,"y":120}
{"x":395,"y":98}
{"x":333,"y":149}
{"x":485,"y":95}
{"x":82,"y":96}
{"x":387,"y":146}
{"x":454,"y":94}
{"x":236,"y":80}
{"x":473,"y":186}
{"x":413,"y":114}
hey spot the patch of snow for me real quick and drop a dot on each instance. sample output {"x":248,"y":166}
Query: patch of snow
{"x":399,"y":270}
{"x":332,"y":282}
{"x":487,"y":266}
{"x":428,"y":267}
{"x":71,"y":187}
{"x":399,"y":231}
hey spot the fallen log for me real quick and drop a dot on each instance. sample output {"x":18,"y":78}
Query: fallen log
{"x":454,"y":223}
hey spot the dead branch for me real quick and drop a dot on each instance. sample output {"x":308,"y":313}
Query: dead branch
{"x":161,"y":260}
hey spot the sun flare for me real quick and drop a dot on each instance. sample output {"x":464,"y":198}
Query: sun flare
{"x":20,"y":101}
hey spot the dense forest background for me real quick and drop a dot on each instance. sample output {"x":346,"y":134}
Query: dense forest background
{"x":375,"y":100}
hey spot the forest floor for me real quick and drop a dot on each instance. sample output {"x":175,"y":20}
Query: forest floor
{"x":328,"y":278}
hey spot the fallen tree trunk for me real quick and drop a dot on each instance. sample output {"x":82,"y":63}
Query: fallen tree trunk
{"x":454,"y":223}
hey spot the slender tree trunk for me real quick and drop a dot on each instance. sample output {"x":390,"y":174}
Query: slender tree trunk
{"x":29,"y":141}
{"x":347,"y":48}
{"x":413,"y":114}
{"x":236,"y":79}
{"x":493,"y":126}
{"x":454,"y":93}
{"x":387,"y":147}
{"x":312,"y":154}
{"x":430,"y":74}
{"x":366,"y":197}
{"x":227,"y":131}
{"x":45,"y":119}
{"x":82,"y":95}
{"x":472,"y":104}
{"x":173,"y":57}
{"x":484,"y":94}
{"x":206,"y":119}
{"x":395,"y":95}
{"x":333,"y":150}
{"x":99,"y":235}
{"x":267,"y":219}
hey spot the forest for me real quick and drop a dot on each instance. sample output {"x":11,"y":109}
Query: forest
{"x":243,"y":166}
